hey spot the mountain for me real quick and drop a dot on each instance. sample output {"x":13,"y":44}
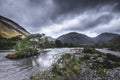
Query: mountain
{"x":115,"y":40}
{"x":75,"y":38}
{"x":9,"y":28}
{"x":104,"y":37}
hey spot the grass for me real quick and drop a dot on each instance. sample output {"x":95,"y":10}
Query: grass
{"x":67,"y":66}
{"x":89,"y":50}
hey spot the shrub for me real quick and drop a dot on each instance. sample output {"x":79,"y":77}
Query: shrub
{"x":67,"y":66}
{"x":113,"y":57}
{"x":89,"y":50}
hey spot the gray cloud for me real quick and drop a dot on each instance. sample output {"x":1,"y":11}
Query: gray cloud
{"x":38,"y":15}
{"x":91,"y":22}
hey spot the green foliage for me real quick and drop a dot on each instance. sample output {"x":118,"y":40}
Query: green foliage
{"x":67,"y":66}
{"x":89,"y":50}
{"x":8,"y":43}
{"x":86,"y":57}
{"x":23,"y":48}
{"x":111,"y":46}
{"x":113,"y":57}
{"x":101,"y":62}
{"x":26,"y":48}
{"x":58,"y":43}
{"x":48,"y":44}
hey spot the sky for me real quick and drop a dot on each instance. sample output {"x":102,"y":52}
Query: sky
{"x":57,"y":17}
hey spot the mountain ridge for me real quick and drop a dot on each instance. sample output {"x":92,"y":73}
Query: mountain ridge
{"x":78,"y":38}
{"x":75,"y":38}
{"x":104,"y":37}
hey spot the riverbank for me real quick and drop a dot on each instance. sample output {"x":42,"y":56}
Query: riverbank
{"x":84,"y":65}
{"x":7,"y":50}
{"x":23,"y":69}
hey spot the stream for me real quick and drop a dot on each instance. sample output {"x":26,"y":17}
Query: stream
{"x":22,"y":69}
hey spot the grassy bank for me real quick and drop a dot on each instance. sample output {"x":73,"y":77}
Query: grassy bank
{"x":72,"y":67}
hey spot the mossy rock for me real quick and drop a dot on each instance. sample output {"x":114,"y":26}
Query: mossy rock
{"x":13,"y":55}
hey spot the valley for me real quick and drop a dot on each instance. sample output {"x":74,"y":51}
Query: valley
{"x":71,"y":56}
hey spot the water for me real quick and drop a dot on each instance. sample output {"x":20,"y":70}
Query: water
{"x":22,"y":69}
{"x":106,"y":51}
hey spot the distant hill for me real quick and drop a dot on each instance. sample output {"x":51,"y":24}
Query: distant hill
{"x":9,"y":28}
{"x":105,"y":37}
{"x":75,"y":38}
{"x":115,"y":40}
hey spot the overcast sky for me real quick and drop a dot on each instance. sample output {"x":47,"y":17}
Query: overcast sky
{"x":57,"y":17}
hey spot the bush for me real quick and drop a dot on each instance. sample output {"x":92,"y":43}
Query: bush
{"x":8,"y":43}
{"x":89,"y":50}
{"x":67,"y":66}
{"x":86,"y":57}
{"x":23,"y":48}
{"x":113,"y":57}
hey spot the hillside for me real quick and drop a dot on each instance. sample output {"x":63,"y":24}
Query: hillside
{"x":9,"y":28}
{"x":104,"y":37}
{"x":115,"y":40}
{"x":75,"y":38}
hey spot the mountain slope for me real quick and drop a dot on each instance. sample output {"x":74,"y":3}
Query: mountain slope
{"x":115,"y":40}
{"x":104,"y":37}
{"x":9,"y":29}
{"x":75,"y":38}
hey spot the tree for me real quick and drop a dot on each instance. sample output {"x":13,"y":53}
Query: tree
{"x":30,"y":45}
{"x":58,"y":43}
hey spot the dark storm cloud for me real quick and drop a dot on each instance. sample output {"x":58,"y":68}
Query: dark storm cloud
{"x":89,"y":22}
{"x":62,"y":15}
{"x":31,"y":14}
{"x":66,"y":6}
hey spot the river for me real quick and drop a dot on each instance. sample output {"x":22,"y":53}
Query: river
{"x":22,"y":69}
